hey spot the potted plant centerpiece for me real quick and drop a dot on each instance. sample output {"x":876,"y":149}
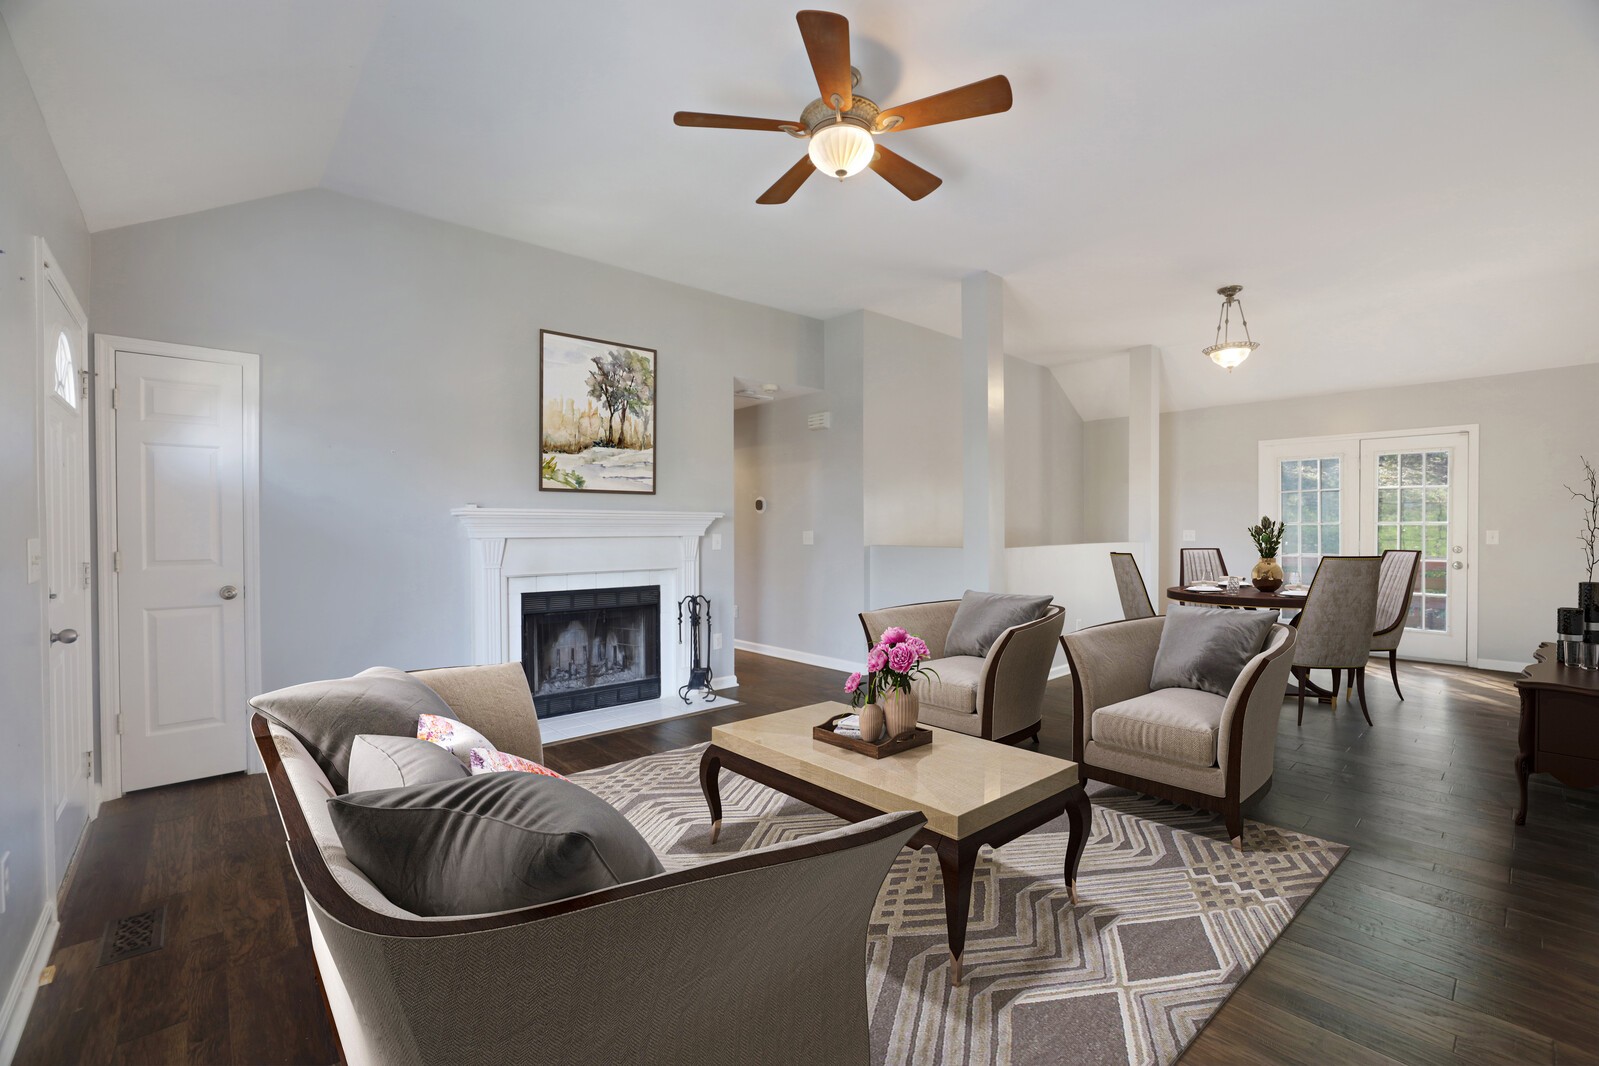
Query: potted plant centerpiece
{"x":1268,"y":537}
{"x":884,"y":691}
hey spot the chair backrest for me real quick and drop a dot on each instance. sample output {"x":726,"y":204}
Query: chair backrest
{"x":1200,"y":564}
{"x":1394,"y":588}
{"x":1130,"y":586}
{"x":1335,"y":626}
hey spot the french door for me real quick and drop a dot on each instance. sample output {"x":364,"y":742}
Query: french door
{"x":1363,"y":495}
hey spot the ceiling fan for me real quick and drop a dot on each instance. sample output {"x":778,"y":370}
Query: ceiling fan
{"x":842,"y":126}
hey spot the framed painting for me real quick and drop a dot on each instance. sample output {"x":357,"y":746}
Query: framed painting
{"x":596,"y":415}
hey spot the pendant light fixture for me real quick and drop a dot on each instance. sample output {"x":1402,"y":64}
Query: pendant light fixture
{"x":1227,"y":352}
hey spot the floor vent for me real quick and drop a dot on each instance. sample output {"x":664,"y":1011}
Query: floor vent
{"x":137,"y":934}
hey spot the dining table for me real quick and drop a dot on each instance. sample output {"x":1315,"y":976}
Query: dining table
{"x":1213,"y":595}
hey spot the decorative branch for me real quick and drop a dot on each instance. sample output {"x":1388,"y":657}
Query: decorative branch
{"x":1589,"y":537}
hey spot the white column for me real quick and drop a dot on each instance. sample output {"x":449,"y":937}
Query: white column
{"x":983,"y":428}
{"x":1143,"y":460}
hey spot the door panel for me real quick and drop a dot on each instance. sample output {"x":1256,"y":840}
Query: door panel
{"x":180,"y":528}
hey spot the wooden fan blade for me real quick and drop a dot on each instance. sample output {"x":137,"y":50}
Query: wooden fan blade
{"x":789,"y":183}
{"x":987,"y":97}
{"x":904,"y":175}
{"x":827,"y":43}
{"x":733,"y":122}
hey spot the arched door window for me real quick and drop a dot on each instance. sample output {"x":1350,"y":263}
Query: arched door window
{"x":66,"y":372}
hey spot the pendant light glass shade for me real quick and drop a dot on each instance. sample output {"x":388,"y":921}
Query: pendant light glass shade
{"x":1227,"y":352}
{"x":841,"y":149}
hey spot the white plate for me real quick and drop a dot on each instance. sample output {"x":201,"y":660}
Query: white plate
{"x":1203,"y":588}
{"x":1293,"y":592}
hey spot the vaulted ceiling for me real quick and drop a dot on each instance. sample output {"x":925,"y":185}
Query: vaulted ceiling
{"x":1407,"y":191}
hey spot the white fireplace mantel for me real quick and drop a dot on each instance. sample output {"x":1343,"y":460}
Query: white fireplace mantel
{"x":513,"y":544}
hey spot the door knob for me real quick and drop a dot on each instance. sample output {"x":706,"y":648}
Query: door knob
{"x":228,"y":592}
{"x":1458,"y":565}
{"x":66,"y":636}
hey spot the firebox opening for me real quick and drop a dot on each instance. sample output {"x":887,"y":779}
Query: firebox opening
{"x":589,"y":648}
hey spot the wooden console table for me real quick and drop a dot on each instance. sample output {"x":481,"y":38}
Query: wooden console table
{"x":1559,"y":724}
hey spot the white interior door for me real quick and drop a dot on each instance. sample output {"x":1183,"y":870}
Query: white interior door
{"x":180,"y":529}
{"x":1416,"y":497}
{"x":64,"y":452}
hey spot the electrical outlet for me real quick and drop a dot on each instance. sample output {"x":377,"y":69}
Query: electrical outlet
{"x":1491,"y":537}
{"x":808,"y":537}
{"x":5,"y":880}
{"x":716,"y":642}
{"x":716,"y":542}
{"x":1188,"y":536}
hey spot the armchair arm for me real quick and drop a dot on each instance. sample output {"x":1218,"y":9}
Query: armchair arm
{"x":1109,"y":663}
{"x":1247,"y":741}
{"x":1015,"y":672}
{"x":930,"y":621}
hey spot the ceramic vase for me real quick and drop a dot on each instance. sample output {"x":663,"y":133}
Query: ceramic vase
{"x":1588,"y":604}
{"x":900,"y":709}
{"x":1267,"y":576}
{"x":871,"y":723}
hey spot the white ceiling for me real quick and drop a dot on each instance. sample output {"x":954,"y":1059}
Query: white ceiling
{"x":1407,"y":191}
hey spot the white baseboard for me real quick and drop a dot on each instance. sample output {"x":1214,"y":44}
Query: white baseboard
{"x":725,"y":681}
{"x":1059,"y":671}
{"x":25,"y":982}
{"x":809,"y":659}
{"x":1507,"y":666}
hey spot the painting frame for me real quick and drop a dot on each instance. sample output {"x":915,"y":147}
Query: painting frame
{"x":624,"y":461}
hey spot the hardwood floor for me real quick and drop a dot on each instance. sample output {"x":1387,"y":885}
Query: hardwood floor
{"x":1447,"y":935}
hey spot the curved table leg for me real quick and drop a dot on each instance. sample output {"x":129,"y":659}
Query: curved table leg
{"x":1080,"y":816}
{"x":957,"y":860}
{"x":710,"y":784}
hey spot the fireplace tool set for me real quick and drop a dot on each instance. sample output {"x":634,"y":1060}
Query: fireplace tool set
{"x":699,"y":628}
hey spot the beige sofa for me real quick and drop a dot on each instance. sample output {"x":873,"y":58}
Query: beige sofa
{"x":1211,"y":752}
{"x":758,"y":957}
{"x":999,"y":696}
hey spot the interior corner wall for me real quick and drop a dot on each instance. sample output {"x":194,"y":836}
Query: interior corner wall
{"x":1533,"y":426}
{"x":399,"y":379}
{"x":911,"y":377}
{"x":1105,"y":480}
{"x":36,"y":200}
{"x":794,"y":598}
{"x":1043,"y":459}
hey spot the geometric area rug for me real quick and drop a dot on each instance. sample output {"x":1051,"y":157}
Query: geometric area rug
{"x":1171,"y":917}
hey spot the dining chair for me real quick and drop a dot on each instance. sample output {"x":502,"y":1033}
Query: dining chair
{"x":1335,"y":624}
{"x":1400,"y":569}
{"x":1200,"y":564}
{"x":1130,"y":586}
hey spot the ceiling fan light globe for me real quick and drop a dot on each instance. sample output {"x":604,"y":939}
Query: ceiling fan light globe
{"x":841,"y":149}
{"x":1230,"y":355}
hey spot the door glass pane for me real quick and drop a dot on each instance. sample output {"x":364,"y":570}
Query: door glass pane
{"x":1329,"y":505}
{"x":1309,"y":508}
{"x":1415,"y":517}
{"x":1329,"y":540}
{"x":66,"y":383}
{"x":1329,"y":473}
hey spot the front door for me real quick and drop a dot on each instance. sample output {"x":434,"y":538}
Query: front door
{"x":64,"y":434}
{"x":180,"y":567}
{"x":1415,"y":490}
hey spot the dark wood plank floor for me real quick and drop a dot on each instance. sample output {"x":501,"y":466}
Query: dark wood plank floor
{"x":1447,"y":935}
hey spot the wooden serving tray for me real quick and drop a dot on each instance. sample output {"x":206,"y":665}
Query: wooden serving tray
{"x":881,"y":750}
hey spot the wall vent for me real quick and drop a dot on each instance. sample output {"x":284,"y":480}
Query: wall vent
{"x":820,"y":420}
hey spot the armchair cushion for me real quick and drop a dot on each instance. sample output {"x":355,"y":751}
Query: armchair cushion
{"x":1206,"y":648}
{"x":1176,"y":724}
{"x":983,"y":616}
{"x":955,"y":691}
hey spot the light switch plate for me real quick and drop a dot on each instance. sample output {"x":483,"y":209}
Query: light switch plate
{"x":808,"y":537}
{"x":716,"y":542}
{"x":1491,"y":537}
{"x":35,"y":560}
{"x":716,"y":642}
{"x":1188,"y":536}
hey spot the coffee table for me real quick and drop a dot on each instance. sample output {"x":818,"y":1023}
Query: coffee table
{"x":972,"y":792}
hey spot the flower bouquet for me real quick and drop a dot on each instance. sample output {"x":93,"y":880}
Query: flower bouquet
{"x":884,"y":691}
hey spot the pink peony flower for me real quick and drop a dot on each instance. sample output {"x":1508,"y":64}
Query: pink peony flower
{"x":919,"y":646}
{"x":894,"y":635}
{"x":853,"y":683}
{"x":901,"y":658}
{"x":876,"y":660}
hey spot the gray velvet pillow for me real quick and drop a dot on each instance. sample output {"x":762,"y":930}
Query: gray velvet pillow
{"x":488,"y":843}
{"x":983,"y":616}
{"x":327,"y":716}
{"x":1206,"y":648}
{"x":393,"y":762}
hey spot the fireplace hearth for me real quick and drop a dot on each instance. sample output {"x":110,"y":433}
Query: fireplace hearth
{"x":589,"y":648}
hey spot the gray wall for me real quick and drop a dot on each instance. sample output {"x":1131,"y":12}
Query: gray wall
{"x":912,"y":434}
{"x":1105,"y":480}
{"x":399,"y":364}
{"x":792,"y":595}
{"x":1043,"y":459}
{"x":1533,"y":427}
{"x":35,"y":200}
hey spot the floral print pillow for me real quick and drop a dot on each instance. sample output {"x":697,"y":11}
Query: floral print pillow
{"x":493,"y":761}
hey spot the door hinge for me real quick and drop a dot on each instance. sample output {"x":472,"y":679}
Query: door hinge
{"x":116,"y":562}
{"x":119,"y":723}
{"x":88,"y":764}
{"x":85,"y":575}
{"x":83,"y":379}
{"x":116,"y":397}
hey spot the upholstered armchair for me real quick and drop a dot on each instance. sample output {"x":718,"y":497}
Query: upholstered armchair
{"x":1130,"y":586}
{"x":1395,"y":586}
{"x":1207,"y":751}
{"x":999,"y":696}
{"x":1335,"y":625}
